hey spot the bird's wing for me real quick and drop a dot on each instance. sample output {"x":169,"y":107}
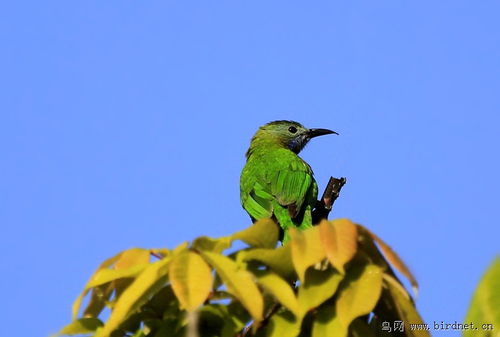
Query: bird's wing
{"x":257,"y":201}
{"x":290,"y":186}
{"x":267,"y":180}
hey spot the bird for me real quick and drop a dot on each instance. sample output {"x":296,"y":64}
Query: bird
{"x":275,"y":182}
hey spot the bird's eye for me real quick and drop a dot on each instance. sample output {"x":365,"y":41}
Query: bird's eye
{"x":292,"y":129}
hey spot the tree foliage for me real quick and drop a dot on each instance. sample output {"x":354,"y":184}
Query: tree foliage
{"x":484,"y":311}
{"x":335,"y":279}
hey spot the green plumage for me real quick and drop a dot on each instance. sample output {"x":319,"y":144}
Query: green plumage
{"x":275,"y":181}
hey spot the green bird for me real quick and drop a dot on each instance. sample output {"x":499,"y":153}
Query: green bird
{"x":276,"y":182}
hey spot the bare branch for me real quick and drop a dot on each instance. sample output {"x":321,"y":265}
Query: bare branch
{"x":325,"y":204}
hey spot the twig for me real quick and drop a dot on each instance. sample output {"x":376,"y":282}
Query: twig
{"x":155,"y":254}
{"x":325,"y":204}
{"x":192,"y":327}
{"x":264,"y":322}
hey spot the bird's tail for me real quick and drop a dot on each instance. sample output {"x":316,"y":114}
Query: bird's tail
{"x":286,"y":222}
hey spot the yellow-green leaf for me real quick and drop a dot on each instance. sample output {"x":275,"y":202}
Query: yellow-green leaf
{"x":368,"y":252}
{"x":108,"y":275}
{"x":129,"y":263}
{"x":280,"y":289}
{"x":319,"y":285}
{"x":396,"y":302}
{"x":212,"y":245}
{"x":78,"y":301}
{"x":339,"y":239}
{"x":263,"y":234}
{"x":282,"y":324}
{"x":99,"y":298}
{"x":485,"y":305}
{"x":151,"y":279}
{"x":327,"y":323}
{"x":191,"y":279}
{"x":359,"y":328}
{"x":359,"y":294}
{"x":307,"y":249}
{"x":132,"y":257}
{"x":179,"y":248}
{"x":396,"y":285}
{"x":239,"y":283}
{"x":218,"y":321}
{"x":279,"y":259}
{"x":395,"y":260}
{"x":81,"y":326}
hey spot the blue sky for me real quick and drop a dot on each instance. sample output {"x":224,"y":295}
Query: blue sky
{"x":119,"y":117}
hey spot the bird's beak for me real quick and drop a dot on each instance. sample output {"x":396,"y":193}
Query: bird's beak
{"x":320,"y":132}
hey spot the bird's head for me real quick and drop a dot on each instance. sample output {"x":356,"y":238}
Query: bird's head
{"x":289,"y":134}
